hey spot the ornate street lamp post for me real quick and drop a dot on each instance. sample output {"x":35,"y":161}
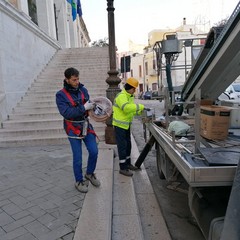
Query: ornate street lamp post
{"x":113,"y":80}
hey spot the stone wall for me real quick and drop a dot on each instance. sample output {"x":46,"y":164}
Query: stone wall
{"x":24,"y":52}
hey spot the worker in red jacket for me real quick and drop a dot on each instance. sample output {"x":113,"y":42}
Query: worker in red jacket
{"x":73,"y":104}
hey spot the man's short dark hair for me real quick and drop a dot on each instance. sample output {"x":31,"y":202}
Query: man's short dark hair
{"x":69,"y":72}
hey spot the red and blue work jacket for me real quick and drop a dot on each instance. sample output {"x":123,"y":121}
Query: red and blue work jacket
{"x":70,"y":103}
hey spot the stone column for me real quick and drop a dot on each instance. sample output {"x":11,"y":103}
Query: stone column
{"x":23,"y":6}
{"x":72,"y":28}
{"x":62,"y":23}
{"x":73,"y":33}
{"x":46,"y":18}
{"x":113,"y":80}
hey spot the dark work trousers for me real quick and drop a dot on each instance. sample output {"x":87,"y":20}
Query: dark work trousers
{"x":123,"y":139}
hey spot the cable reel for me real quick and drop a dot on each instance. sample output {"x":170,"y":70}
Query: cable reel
{"x":102,"y":109}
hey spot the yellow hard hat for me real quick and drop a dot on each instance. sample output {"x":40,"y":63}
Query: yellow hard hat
{"x":132,"y":82}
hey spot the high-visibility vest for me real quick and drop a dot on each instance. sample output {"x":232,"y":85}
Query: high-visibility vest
{"x":124,"y":109}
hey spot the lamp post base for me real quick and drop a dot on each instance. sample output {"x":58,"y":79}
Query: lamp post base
{"x":110,"y":135}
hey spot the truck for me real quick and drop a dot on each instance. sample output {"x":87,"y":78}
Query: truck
{"x":207,"y":157}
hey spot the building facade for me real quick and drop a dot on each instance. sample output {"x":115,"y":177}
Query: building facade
{"x":54,"y":17}
{"x":32,"y":32}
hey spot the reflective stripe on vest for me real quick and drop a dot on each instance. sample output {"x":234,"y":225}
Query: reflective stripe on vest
{"x":121,"y":122}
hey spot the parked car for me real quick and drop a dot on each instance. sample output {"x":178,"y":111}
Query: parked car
{"x":147,"y":95}
{"x":154,"y":94}
{"x":233,"y":91}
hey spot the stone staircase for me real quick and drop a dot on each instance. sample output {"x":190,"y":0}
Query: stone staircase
{"x":113,"y":209}
{"x":36,"y":120}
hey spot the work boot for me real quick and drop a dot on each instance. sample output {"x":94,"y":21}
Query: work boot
{"x":133,"y":168}
{"x":126,"y":172}
{"x":93,"y":179}
{"x":82,"y":186}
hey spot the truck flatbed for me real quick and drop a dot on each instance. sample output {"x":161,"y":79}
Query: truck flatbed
{"x":198,"y":169}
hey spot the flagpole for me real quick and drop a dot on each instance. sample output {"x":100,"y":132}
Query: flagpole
{"x":113,"y":80}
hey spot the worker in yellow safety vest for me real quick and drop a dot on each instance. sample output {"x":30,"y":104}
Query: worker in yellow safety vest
{"x":124,"y":109}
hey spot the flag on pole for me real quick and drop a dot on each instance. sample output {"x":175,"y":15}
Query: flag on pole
{"x":74,"y":8}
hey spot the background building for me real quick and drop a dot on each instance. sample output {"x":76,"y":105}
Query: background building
{"x":151,"y":73}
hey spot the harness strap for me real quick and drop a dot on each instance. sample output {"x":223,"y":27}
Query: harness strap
{"x":69,"y":97}
{"x":69,"y":126}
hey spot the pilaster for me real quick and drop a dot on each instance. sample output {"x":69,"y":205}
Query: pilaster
{"x":46,"y":18}
{"x":23,"y":6}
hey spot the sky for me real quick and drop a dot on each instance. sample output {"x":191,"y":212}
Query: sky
{"x":134,"y":19}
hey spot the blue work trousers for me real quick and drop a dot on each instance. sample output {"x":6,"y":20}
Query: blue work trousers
{"x":124,"y":146}
{"x":76,"y":145}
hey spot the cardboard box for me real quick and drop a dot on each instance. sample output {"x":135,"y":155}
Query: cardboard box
{"x":214,"y":122}
{"x":206,"y":102}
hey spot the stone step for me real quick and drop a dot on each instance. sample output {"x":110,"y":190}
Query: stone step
{"x":44,"y":131}
{"x":53,"y":79}
{"x":79,"y":56}
{"x":87,"y":75}
{"x":29,"y":124}
{"x":112,"y":208}
{"x":51,"y":92}
{"x":40,"y":124}
{"x":31,"y":99}
{"x":37,"y":103}
{"x":35,"y":119}
{"x":13,"y":142}
{"x":57,"y":86}
{"x":59,"y":67}
{"x":39,"y":86}
{"x":58,"y":128}
{"x":34,"y":109}
{"x":98,"y":203}
{"x":76,"y":61}
{"x":34,"y":116}
{"x":38,"y":140}
{"x":37,"y":92}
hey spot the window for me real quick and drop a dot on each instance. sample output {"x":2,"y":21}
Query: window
{"x":146,"y":68}
{"x":154,"y":86}
{"x":140,"y":70}
{"x":33,"y":10}
{"x":154,"y":64}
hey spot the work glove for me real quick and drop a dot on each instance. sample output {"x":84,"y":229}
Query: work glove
{"x":89,"y":105}
{"x":147,"y":109}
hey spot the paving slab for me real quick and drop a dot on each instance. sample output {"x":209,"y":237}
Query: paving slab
{"x":38,"y":199}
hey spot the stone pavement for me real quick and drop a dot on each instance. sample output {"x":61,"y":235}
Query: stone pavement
{"x":38,"y":200}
